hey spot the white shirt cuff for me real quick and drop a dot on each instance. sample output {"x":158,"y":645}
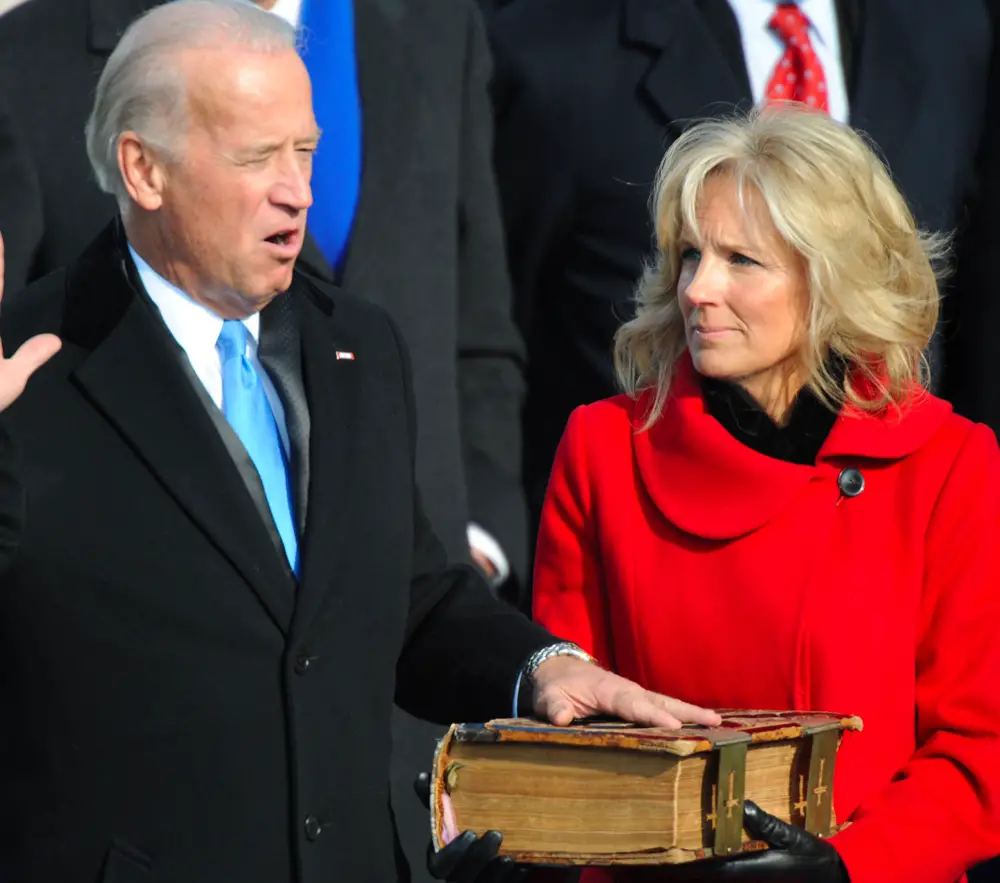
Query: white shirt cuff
{"x":516,"y":700}
{"x":484,"y":543}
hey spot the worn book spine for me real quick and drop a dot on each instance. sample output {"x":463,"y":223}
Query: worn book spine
{"x":711,"y":764}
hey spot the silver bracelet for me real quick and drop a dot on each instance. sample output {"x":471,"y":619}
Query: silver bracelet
{"x":564,"y":648}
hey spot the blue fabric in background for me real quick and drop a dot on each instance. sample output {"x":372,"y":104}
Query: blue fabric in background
{"x":327,"y":48}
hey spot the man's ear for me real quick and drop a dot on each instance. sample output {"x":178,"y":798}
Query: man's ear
{"x":141,"y":170}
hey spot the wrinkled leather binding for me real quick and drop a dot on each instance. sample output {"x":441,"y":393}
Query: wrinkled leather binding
{"x":740,"y":730}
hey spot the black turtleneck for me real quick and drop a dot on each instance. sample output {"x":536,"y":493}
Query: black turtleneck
{"x":799,"y":441}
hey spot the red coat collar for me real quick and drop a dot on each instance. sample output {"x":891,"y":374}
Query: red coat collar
{"x":710,"y":485}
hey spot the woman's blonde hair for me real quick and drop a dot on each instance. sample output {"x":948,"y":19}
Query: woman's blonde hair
{"x":873,"y":288}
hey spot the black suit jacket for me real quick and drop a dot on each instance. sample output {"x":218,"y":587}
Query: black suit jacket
{"x":589,"y":94}
{"x":176,"y":707}
{"x":427,"y":242}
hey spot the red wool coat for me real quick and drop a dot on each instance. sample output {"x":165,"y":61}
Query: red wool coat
{"x":704,"y":570}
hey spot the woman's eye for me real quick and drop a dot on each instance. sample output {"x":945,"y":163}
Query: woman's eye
{"x":742,"y":260}
{"x":690,"y":254}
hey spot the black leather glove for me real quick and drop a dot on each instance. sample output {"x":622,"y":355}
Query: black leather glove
{"x":795,"y":856}
{"x":468,"y":858}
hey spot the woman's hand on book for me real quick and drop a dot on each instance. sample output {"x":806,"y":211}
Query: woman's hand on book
{"x":472,"y":859}
{"x":795,"y":856}
{"x":567,"y":688}
{"x":468,"y":858}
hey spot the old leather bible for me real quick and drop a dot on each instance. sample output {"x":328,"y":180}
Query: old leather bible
{"x":609,"y":793}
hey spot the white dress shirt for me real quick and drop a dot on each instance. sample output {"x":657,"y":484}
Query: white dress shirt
{"x":196,"y":329}
{"x":763,"y":48}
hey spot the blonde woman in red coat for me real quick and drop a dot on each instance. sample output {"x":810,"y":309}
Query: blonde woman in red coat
{"x":778,"y":515}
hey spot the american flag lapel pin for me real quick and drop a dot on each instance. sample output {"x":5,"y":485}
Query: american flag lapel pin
{"x":343,"y":354}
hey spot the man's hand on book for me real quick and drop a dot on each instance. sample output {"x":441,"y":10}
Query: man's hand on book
{"x":795,"y":856}
{"x":468,"y":858}
{"x":567,"y":688}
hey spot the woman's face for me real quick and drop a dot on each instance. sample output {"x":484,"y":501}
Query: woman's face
{"x":744,"y":295}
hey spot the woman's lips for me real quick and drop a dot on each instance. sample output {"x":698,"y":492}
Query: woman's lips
{"x":711,"y":333}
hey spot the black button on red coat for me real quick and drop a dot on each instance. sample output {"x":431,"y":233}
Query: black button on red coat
{"x":851,"y":482}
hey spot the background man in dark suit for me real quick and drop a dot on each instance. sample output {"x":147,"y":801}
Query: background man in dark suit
{"x":227,"y":574}
{"x":424,"y":242}
{"x":589,"y":93}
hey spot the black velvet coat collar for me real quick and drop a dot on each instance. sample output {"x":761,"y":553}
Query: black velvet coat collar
{"x":798,"y":441}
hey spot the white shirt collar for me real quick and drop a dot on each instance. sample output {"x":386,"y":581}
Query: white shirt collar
{"x":194,"y":326}
{"x":196,"y":330}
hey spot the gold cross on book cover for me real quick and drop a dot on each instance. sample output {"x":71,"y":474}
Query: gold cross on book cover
{"x":611,"y":793}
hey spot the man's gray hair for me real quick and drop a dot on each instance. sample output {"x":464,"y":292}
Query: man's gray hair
{"x":142,"y":88}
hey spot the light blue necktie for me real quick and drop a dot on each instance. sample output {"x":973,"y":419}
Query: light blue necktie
{"x":245,"y":404}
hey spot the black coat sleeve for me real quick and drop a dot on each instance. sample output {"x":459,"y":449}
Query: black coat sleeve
{"x":463,"y":648}
{"x":490,"y":350}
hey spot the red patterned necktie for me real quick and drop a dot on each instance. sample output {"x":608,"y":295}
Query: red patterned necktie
{"x":799,"y":74}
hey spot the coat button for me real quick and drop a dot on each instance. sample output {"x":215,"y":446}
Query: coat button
{"x":313,"y":828}
{"x":303,"y":661}
{"x":851,"y":482}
